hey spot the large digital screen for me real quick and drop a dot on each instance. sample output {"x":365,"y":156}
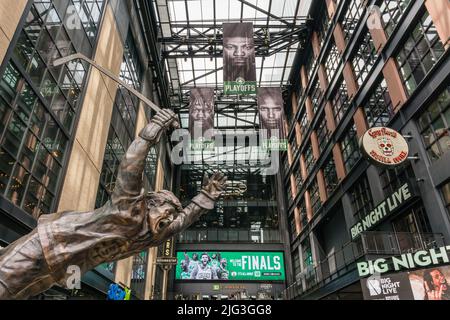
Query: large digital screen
{"x":230,"y":265}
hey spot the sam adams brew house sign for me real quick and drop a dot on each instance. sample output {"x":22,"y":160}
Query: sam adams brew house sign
{"x":384,"y":147}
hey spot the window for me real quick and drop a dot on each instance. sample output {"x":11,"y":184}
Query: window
{"x":332,"y":62}
{"x":303,"y":122}
{"x":309,"y":158}
{"x":307,"y":254}
{"x":392,"y":11}
{"x":378,"y":108}
{"x":297,"y":175}
{"x":331,"y":178}
{"x":316,"y":203}
{"x":361,"y":197}
{"x":445,"y":189}
{"x":434,"y":126}
{"x":352,"y":17}
{"x":341,"y":102}
{"x":420,"y":53}
{"x":364,"y":58}
{"x":392,"y":179}
{"x":296,"y":263}
{"x":138,"y":275}
{"x":350,"y":148}
{"x":310,"y":64}
{"x":303,"y":214}
{"x":323,"y":134}
{"x":292,"y":227}
{"x":316,"y":95}
{"x":324,"y":24}
{"x":36,"y":116}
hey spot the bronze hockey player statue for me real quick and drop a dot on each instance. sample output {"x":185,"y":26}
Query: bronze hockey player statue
{"x":128,"y":223}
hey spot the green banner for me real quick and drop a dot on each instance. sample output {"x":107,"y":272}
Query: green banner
{"x":239,"y":87}
{"x":226,"y":265}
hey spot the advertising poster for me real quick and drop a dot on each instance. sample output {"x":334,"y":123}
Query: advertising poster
{"x":271,"y":117}
{"x":424,"y":284}
{"x":225,"y":265}
{"x":201,"y":113}
{"x":239,"y":70}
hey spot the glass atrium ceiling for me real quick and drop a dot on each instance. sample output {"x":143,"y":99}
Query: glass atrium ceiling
{"x":190,"y":33}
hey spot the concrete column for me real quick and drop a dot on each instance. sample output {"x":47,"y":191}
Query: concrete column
{"x":86,"y":160}
{"x":439,"y":11}
{"x":11,"y":12}
{"x":151,"y":268}
{"x":123,"y":272}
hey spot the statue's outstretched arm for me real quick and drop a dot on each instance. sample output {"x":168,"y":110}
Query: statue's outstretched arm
{"x":200,"y":204}
{"x":131,"y":169}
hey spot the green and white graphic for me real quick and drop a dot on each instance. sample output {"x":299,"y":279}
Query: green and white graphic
{"x":226,"y":265}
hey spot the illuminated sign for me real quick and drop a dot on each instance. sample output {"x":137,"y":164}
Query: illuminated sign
{"x":384,"y":209}
{"x":224,"y":265}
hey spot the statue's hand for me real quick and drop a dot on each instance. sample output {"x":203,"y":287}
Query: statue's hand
{"x":215,"y":185}
{"x":160,"y":122}
{"x":165,"y":119}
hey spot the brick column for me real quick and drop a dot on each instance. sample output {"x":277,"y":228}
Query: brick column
{"x":339,"y":161}
{"x":322,"y":186}
{"x":439,"y":11}
{"x":394,"y":82}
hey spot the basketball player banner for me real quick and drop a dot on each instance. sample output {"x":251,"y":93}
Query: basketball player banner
{"x":201,"y":118}
{"x":271,"y":117}
{"x":239,"y":70}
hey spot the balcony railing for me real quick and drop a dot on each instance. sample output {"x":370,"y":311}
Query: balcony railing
{"x":263,"y":235}
{"x":344,"y":260}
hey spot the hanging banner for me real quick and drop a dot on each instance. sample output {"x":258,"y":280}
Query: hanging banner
{"x":424,"y":284}
{"x":239,"y":71}
{"x":271,"y":117}
{"x":201,"y":114}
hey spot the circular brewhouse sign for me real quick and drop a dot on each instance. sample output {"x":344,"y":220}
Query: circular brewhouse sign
{"x":384,"y":147}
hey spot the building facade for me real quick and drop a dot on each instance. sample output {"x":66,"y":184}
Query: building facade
{"x":64,"y":130}
{"x":367,"y":64}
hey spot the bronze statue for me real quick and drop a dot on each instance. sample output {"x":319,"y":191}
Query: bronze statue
{"x":128,"y":223}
